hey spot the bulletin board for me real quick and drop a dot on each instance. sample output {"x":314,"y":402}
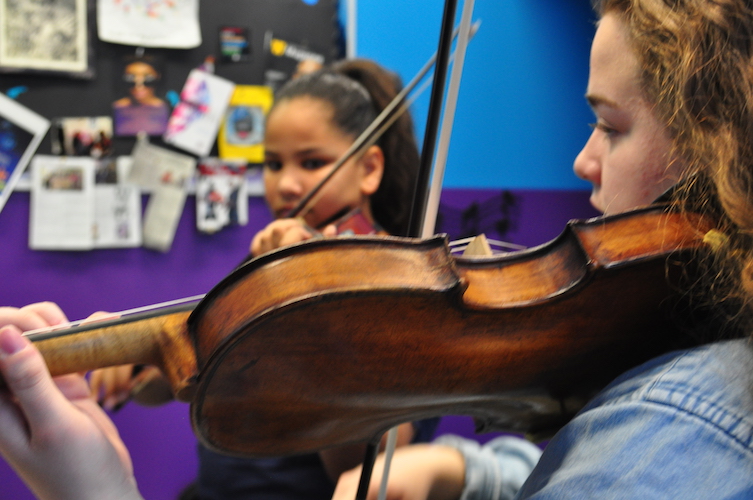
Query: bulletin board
{"x":309,"y":23}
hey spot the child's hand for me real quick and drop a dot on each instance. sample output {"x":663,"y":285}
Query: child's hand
{"x":284,"y":232}
{"x":114,"y":386}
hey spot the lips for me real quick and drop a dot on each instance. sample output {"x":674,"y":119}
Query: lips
{"x":284,"y":211}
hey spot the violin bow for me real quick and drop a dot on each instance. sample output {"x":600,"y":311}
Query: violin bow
{"x":423,"y":217}
{"x":381,"y":123}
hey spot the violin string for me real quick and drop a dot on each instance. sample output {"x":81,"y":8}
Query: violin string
{"x":366,"y":135}
{"x":365,"y":140}
{"x":389,"y":451}
{"x":115,"y":315}
{"x":459,"y":245}
{"x":317,"y":195}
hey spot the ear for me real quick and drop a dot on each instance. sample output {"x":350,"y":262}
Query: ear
{"x":372,"y":165}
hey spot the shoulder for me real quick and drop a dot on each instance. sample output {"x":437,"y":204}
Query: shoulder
{"x":123,"y":102}
{"x":712,"y":383}
{"x":679,"y":426}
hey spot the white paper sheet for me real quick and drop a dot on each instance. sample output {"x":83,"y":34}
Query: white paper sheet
{"x":162,"y":216}
{"x":117,"y":216}
{"x":62,"y":203}
{"x":150,"y":23}
{"x":153,"y":165}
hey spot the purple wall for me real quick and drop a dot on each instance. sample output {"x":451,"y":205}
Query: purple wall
{"x":160,"y":439}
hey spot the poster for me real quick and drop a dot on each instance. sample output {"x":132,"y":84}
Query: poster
{"x":21,"y":131}
{"x":140,"y":109}
{"x":221,"y":194}
{"x":45,"y":36}
{"x":242,"y":132}
{"x":195,"y":121}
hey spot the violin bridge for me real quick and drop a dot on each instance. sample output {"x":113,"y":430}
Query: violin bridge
{"x":478,"y":247}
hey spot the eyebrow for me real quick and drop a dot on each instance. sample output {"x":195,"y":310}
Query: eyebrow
{"x":298,"y":154}
{"x":595,"y":100}
{"x":309,"y":151}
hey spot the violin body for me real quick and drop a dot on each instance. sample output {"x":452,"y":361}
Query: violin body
{"x":333,"y":341}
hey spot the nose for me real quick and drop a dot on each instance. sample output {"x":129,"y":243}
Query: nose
{"x":587,"y":164}
{"x":289,"y":183}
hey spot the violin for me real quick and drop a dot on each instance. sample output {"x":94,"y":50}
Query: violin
{"x":333,"y":341}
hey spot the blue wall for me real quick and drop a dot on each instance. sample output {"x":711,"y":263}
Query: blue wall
{"x":521,"y":115}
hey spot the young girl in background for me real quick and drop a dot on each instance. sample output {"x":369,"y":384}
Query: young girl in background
{"x":314,"y":121}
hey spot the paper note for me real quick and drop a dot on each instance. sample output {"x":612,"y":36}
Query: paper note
{"x":62,"y":203}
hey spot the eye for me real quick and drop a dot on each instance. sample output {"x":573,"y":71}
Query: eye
{"x":603,"y":127}
{"x":314,"y":163}
{"x":273,"y":165}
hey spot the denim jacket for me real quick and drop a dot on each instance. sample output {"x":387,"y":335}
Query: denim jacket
{"x":677,"y":427}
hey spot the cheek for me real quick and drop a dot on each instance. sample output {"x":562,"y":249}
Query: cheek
{"x":638,"y":177}
{"x":660,"y":172}
{"x":270,"y":186}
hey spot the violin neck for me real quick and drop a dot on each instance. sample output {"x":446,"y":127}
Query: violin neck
{"x":161,"y":341}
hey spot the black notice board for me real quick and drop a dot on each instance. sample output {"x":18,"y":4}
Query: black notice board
{"x":316,"y":26}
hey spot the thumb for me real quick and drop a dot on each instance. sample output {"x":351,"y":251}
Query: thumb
{"x":329,"y":231}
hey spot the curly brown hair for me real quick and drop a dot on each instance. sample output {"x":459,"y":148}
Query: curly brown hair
{"x":695,"y":58}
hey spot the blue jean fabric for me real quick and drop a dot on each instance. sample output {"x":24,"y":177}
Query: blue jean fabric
{"x":677,"y":427}
{"x":496,"y":470}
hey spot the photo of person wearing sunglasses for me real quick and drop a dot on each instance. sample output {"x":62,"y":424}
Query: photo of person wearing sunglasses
{"x":141,"y":110}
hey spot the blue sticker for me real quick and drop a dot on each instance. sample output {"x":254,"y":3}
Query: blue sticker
{"x":172,"y":97}
{"x":311,"y":2}
{"x":16,"y":91}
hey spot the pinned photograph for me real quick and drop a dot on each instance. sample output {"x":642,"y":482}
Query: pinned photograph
{"x":140,"y":109}
{"x":82,"y":136}
{"x":221,"y":195}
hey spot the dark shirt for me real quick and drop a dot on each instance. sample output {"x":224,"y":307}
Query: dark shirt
{"x":288,"y":478}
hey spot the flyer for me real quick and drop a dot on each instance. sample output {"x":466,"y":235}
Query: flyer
{"x":195,"y":121}
{"x":242,"y":132}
